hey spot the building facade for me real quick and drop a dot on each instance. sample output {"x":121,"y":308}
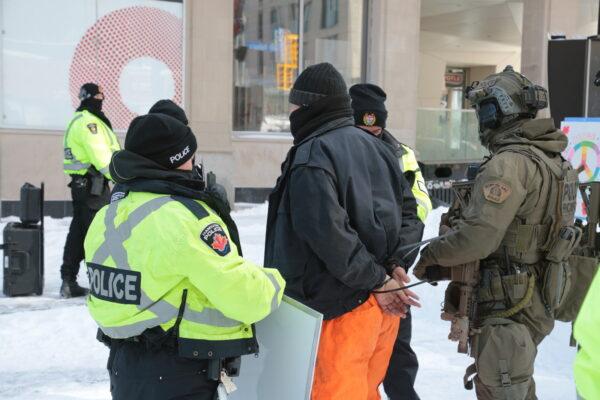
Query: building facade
{"x":230,"y":64}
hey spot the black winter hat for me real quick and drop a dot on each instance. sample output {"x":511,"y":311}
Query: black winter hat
{"x":87,"y":91}
{"x":162,"y":139}
{"x":170,"y":108}
{"x":316,"y":82}
{"x":368,"y":103}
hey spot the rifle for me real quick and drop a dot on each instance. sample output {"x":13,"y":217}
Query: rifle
{"x":462,"y":196}
{"x":462,"y":314}
{"x":460,"y":302}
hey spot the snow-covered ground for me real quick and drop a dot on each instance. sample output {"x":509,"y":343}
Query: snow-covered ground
{"x":48,"y":348}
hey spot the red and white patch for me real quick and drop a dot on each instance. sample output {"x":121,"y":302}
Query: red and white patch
{"x":216,"y":238}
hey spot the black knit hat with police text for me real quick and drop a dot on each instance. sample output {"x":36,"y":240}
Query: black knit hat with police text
{"x":316,"y":82}
{"x":170,"y":108}
{"x":368,"y":103}
{"x":162,"y":139}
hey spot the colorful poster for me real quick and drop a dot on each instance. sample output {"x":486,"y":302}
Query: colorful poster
{"x":583,"y":150}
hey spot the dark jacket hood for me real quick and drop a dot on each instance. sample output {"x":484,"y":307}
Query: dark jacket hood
{"x":127,"y":166}
{"x":134,"y":173}
{"x":540,"y":133}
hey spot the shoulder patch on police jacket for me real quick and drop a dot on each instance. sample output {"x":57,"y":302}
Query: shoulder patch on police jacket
{"x":496,"y":191}
{"x":93,"y":128}
{"x":214,"y":236}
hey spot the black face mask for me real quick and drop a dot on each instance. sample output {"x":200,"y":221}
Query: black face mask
{"x":95,"y":107}
{"x":296,"y":119}
{"x":308,"y":118}
{"x":92,"y":104}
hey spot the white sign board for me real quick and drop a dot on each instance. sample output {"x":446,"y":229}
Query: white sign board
{"x":583,"y":150}
{"x":288,"y":339}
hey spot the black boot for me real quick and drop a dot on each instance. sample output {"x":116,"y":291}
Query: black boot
{"x":70,"y":288}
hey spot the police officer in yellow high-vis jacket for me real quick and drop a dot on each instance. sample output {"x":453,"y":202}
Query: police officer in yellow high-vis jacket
{"x":88,"y":146}
{"x":370,"y":114}
{"x":169,"y":289}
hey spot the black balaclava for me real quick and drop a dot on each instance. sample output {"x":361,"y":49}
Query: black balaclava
{"x":91,"y":104}
{"x":321,"y":93}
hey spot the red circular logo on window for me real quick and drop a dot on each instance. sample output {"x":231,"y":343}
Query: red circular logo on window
{"x":115,"y":40}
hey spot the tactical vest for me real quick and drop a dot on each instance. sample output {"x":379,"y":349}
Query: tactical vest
{"x":528,"y":238}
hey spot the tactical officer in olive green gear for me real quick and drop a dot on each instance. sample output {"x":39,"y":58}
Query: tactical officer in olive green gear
{"x":518,"y":224}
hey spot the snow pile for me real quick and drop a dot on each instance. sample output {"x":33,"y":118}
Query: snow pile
{"x":48,"y":349}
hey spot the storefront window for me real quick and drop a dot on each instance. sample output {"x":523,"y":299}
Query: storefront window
{"x":268,"y":58}
{"x":335,"y":35}
{"x":66,"y":43}
{"x":329,"y":15}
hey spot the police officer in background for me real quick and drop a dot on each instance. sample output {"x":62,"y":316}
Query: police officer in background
{"x":519,"y":223}
{"x":89,"y":143}
{"x":172,"y":296}
{"x":370,"y":114}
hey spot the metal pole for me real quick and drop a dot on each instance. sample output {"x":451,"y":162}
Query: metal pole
{"x":364,"y":64}
{"x":2,"y":116}
{"x":598,"y":31}
{"x":301,"y":36}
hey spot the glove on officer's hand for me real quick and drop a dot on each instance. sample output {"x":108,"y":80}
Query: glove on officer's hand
{"x":419,"y":269}
{"x":432,"y":273}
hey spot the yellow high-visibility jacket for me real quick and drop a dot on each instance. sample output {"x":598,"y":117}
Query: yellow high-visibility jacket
{"x":88,"y":142}
{"x":154,"y":257}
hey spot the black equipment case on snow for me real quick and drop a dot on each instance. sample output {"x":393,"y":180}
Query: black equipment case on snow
{"x":23,"y":263}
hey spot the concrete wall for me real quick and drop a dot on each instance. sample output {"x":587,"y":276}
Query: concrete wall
{"x":31,"y":156}
{"x":431,"y":84}
{"x":480,"y":73}
{"x":209,"y":82}
{"x":393,"y":61}
{"x":258,"y":160}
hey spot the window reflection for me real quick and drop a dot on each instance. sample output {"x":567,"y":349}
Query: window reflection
{"x":268,"y":53}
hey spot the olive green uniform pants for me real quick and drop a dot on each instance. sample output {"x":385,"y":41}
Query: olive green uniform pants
{"x":505,"y":352}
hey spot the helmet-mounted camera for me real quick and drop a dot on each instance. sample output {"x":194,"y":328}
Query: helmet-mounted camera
{"x":535,"y":97}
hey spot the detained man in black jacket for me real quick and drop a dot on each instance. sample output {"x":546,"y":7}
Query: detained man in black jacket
{"x":335,"y":231}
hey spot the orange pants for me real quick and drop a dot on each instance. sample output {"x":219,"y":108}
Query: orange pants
{"x":354,"y":353}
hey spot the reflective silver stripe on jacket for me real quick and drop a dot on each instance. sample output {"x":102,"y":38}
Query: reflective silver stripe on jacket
{"x":164,"y":311}
{"x":76,"y":166}
{"x":422,"y":203}
{"x":69,"y":128}
{"x":277,"y":287}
